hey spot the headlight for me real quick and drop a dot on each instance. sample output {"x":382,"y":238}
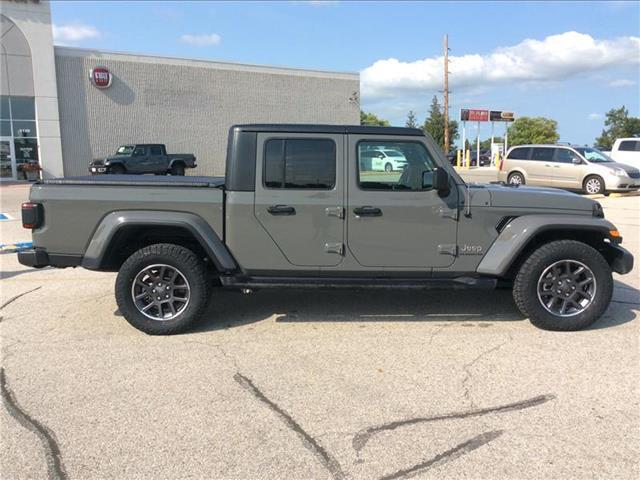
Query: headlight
{"x":618,"y":172}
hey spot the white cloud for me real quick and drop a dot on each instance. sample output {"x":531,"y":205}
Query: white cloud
{"x":554,"y":58}
{"x":73,"y":32}
{"x":594,"y":116}
{"x":623,"y":82}
{"x":204,"y":40}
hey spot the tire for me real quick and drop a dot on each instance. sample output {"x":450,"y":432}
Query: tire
{"x":117,"y":170}
{"x":540,"y":269}
{"x":177,"y":169}
{"x":388,"y":168}
{"x":593,"y":185}
{"x":191,"y":283}
{"x":516,"y":178}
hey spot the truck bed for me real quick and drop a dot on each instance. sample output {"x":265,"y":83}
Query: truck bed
{"x":75,"y":206}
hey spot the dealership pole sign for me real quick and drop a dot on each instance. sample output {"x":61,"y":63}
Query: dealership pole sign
{"x":478,"y":115}
{"x":100,"y":77}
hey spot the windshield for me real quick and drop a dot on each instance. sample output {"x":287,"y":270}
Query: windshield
{"x":594,"y":155}
{"x":125,"y":150}
{"x":393,"y":153}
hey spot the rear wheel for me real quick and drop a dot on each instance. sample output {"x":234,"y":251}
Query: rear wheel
{"x":117,"y":170}
{"x":177,"y":169}
{"x":516,"y":178}
{"x":593,"y":185}
{"x":162,"y":289}
{"x":564,"y":285}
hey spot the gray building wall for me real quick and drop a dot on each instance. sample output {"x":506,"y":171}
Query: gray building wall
{"x":187,"y":104}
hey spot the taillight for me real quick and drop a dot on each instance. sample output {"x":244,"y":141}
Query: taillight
{"x":32,"y":215}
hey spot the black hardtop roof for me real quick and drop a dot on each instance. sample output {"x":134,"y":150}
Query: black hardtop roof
{"x":313,"y":128}
{"x":141,"y":145}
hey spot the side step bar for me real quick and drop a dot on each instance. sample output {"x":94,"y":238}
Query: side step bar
{"x":345,"y":282}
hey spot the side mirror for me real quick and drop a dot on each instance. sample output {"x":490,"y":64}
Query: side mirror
{"x":437,"y":179}
{"x":576,"y":161}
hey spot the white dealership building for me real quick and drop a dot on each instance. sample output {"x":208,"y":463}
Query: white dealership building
{"x":63,"y":107}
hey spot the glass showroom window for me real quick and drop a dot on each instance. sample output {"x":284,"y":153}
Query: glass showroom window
{"x":18,"y":138}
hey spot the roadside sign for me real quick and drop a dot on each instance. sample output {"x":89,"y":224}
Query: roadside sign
{"x":498,"y":116}
{"x":472,"y":115}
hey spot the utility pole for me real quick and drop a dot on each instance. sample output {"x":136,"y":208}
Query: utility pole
{"x":446,"y":94}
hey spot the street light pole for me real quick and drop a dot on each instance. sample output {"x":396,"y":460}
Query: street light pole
{"x":446,"y":94}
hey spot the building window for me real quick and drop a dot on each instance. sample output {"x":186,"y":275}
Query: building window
{"x":300,"y":164}
{"x":19,"y":134}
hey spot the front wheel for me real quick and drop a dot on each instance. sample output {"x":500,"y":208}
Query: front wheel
{"x":593,"y":185}
{"x":388,"y":168}
{"x":117,"y":170}
{"x":162,"y":289}
{"x":564,"y":285}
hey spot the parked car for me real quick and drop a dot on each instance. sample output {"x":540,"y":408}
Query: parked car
{"x":571,"y":167}
{"x":485,"y":158}
{"x":296,"y":209}
{"x":384,"y":159}
{"x":144,"y":158}
{"x":626,"y":150}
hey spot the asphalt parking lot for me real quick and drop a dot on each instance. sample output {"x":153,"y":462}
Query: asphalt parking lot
{"x":299,"y":384}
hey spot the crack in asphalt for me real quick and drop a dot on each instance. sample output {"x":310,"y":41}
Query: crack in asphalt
{"x":361,"y":438}
{"x":55,"y":465}
{"x":16,"y":297}
{"x":444,"y":457}
{"x":311,"y":444}
{"x":468,"y":375}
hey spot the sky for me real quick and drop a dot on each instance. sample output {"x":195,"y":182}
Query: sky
{"x":569,"y":61}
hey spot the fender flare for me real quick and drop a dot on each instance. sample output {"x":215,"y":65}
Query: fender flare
{"x":196,"y":225}
{"x":177,"y":160}
{"x":517,"y":234}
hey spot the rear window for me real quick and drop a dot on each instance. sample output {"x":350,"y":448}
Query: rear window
{"x":521,"y":153}
{"x":542,"y":154}
{"x":630,"y":146}
{"x":300,"y":164}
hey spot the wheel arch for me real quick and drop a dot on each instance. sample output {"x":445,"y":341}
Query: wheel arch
{"x":119,"y":234}
{"x":525,"y":234}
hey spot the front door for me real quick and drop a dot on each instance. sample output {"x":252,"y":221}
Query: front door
{"x":299,"y":198}
{"x":7,"y":159}
{"x":138,"y":163}
{"x":567,"y":174}
{"x":394,"y":221}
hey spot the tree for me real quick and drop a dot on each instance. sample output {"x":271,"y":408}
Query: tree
{"x":434,"y":124}
{"x":533,"y":130}
{"x":412,"y":121}
{"x":618,"y":124}
{"x":367,"y":118}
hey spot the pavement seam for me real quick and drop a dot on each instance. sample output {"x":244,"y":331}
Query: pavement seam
{"x":468,"y":375}
{"x":444,"y":457}
{"x":16,"y":297}
{"x":310,"y":443}
{"x":53,"y":456}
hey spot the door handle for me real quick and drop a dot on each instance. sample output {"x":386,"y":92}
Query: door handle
{"x":281,"y":210}
{"x":556,"y":166}
{"x":367,"y":212}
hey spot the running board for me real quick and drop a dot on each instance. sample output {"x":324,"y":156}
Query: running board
{"x":345,"y":282}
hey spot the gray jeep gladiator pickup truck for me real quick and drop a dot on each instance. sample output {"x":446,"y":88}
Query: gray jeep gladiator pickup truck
{"x":300,"y":208}
{"x":143,"y":158}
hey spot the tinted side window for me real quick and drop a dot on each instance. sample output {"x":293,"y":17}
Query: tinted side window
{"x":139,"y":152}
{"x":564,"y":155}
{"x":157,"y":150}
{"x":519,"y":154}
{"x":300,"y":164}
{"x":542,"y":154}
{"x":629,"y":146}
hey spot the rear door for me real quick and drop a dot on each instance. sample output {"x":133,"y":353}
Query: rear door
{"x":299,"y":198}
{"x":540,"y":167}
{"x":157,"y":160}
{"x":393,"y":222}
{"x":567,"y":174}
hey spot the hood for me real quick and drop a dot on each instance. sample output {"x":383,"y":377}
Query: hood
{"x":627,"y":168}
{"x":115,"y":157}
{"x":537,"y":198}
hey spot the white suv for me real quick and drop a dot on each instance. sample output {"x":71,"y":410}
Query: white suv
{"x":571,"y":167}
{"x":384,"y":159}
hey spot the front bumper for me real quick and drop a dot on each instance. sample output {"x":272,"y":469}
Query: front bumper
{"x":622,"y":184}
{"x":620,"y":259}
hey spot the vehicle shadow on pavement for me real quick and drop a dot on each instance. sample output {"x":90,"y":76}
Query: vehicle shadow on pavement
{"x":232,"y":309}
{"x":229,"y":309}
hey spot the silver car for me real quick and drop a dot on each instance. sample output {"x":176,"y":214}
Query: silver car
{"x":570,"y":167}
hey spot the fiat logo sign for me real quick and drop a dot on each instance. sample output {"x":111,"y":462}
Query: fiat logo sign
{"x":100,"y":77}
